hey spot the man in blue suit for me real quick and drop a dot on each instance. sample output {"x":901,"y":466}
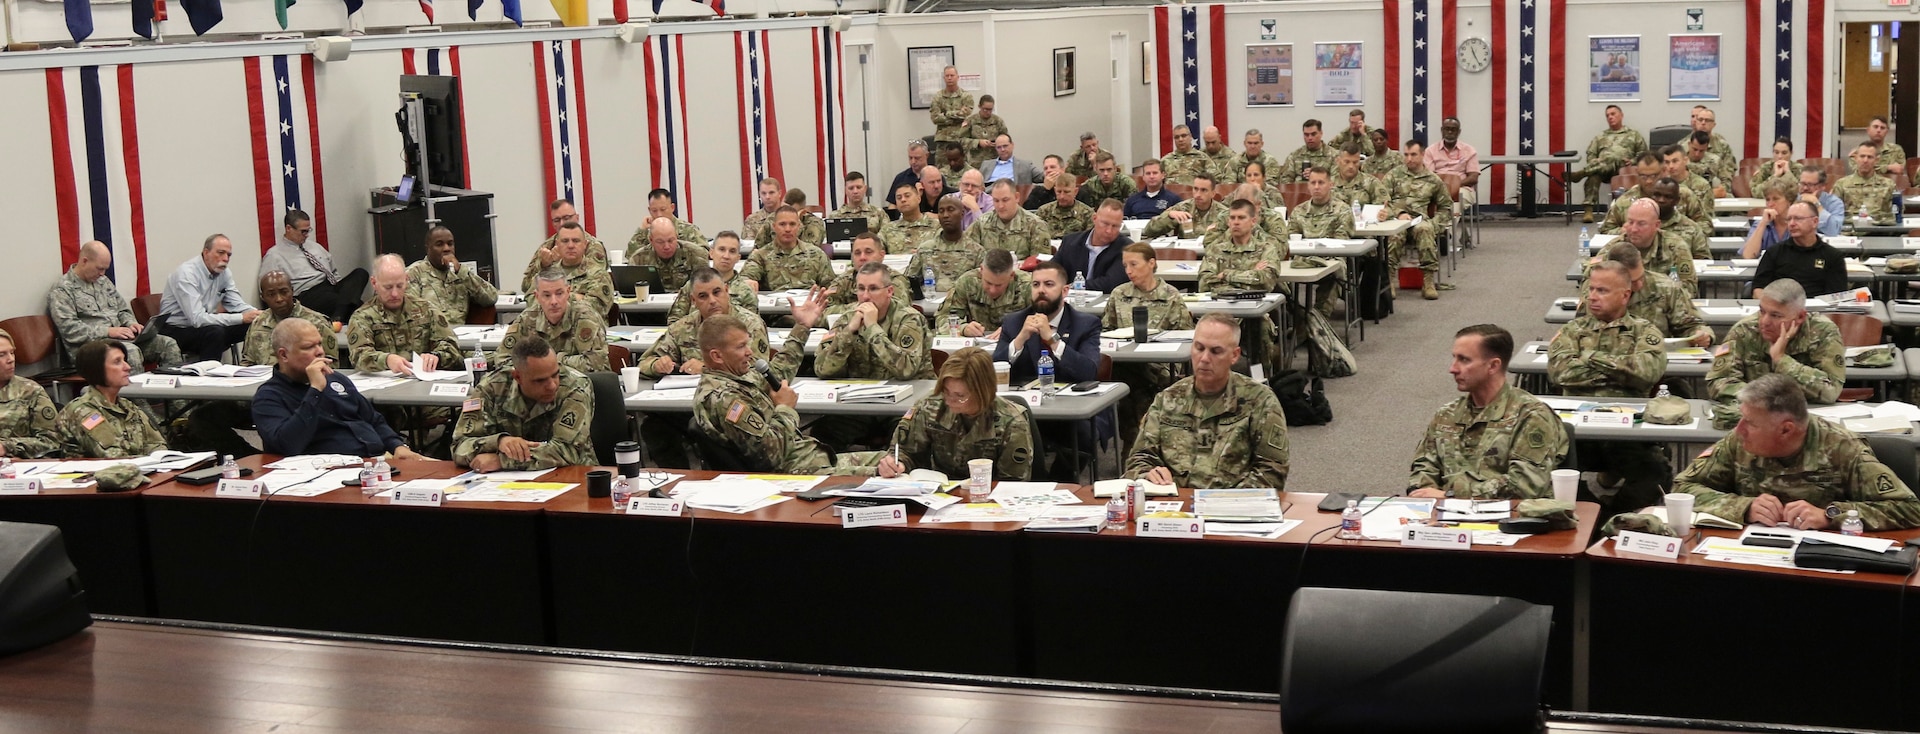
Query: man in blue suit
{"x":1072,"y":337}
{"x":1096,"y":252}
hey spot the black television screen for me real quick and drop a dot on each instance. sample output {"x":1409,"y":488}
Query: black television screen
{"x":440,"y":101}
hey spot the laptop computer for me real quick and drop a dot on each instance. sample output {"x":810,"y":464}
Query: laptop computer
{"x":626,"y":278}
{"x":842,"y":229}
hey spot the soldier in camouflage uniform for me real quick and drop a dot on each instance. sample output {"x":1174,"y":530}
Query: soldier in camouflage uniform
{"x":736,"y":407}
{"x":1165,"y":311}
{"x":1657,"y":299}
{"x":1696,"y":195}
{"x":675,"y":259}
{"x":1384,"y":158}
{"x":390,"y":328}
{"x":1661,"y":251}
{"x":1081,"y":162}
{"x":1610,"y":151}
{"x":1321,"y":215}
{"x":1216,"y":429}
{"x":1219,"y":156}
{"x":772,"y":197}
{"x":866,"y":249}
{"x":725,"y":253}
{"x":1254,"y":150}
{"x":945,"y":429}
{"x":85,"y":306}
{"x":857,"y":205}
{"x":276,"y":290}
{"x":660,"y":205}
{"x":564,"y":214}
{"x":877,"y":339}
{"x":678,"y":352}
{"x":570,"y":329}
{"x":949,"y":112}
{"x":1009,"y":227}
{"x":1666,"y":194}
{"x":535,"y":415}
{"x":1356,"y":133}
{"x":813,"y":229}
{"x":953,"y":165}
{"x":1066,"y":213}
{"x":1241,"y":257}
{"x":1201,"y":210}
{"x":1608,"y":353}
{"x":1314,"y":152}
{"x":1892,"y":159}
{"x":949,"y":252}
{"x":1866,"y":188}
{"x":1495,"y":441}
{"x":982,"y":128}
{"x":981,"y":299}
{"x":785,"y":262}
{"x":1107,"y":182}
{"x":1184,"y":160}
{"x":443,"y":283}
{"x":98,"y":424}
{"x":1781,"y":339}
{"x":1782,"y":166}
{"x":1352,"y":184}
{"x":28,"y":428}
{"x":1795,"y":469}
{"x":904,"y":235}
{"x":590,"y":279}
{"x":1414,"y":191}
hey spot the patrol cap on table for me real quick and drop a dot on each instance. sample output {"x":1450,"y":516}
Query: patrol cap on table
{"x":1668,"y":411}
{"x":119,"y":478}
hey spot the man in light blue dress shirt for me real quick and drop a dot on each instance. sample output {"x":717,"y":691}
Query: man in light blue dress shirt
{"x":310,"y":268}
{"x":195,"y":290}
{"x":1813,"y":190}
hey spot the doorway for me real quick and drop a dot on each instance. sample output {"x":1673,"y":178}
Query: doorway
{"x":1868,"y":56}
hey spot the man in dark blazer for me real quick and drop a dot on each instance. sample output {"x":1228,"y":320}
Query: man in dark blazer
{"x":1096,"y":252}
{"x":1052,"y":325}
{"x":1005,"y":165}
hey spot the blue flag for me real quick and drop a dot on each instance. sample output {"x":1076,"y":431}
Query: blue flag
{"x":203,"y":15}
{"x":473,"y":9}
{"x":143,"y":18}
{"x":512,"y":10}
{"x":353,"y":6}
{"x":80,"y":19}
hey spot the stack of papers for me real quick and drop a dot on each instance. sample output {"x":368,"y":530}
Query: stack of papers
{"x":789,"y":483}
{"x":1069,"y":519}
{"x":210,"y":368}
{"x":364,"y":381}
{"x":1031,"y":495}
{"x":677,"y":394}
{"x":1260,"y":503}
{"x":1110,"y":487}
{"x":1385,"y":517}
{"x":677,"y":382}
{"x":738,"y":496}
{"x":1459,"y":510}
{"x":857,"y":391}
{"x":981,"y":512}
{"x":1693,"y":355}
{"x":1263,"y":530}
{"x":1174,"y":335}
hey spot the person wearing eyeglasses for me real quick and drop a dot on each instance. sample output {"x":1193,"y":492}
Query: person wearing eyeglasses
{"x":1805,"y":257}
{"x":309,"y":267}
{"x":1770,"y":228}
{"x":961,"y":420}
{"x":1813,"y":190}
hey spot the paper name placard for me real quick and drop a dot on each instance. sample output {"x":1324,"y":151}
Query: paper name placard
{"x":163,"y":382}
{"x":456,"y":389}
{"x":1427,"y":536}
{"x":861,"y":517}
{"x":658,"y":507}
{"x":19,"y":486}
{"x":1647,"y":544}
{"x":1604,"y":418}
{"x":247,"y":488}
{"x":1168,"y":527}
{"x":416,"y":497}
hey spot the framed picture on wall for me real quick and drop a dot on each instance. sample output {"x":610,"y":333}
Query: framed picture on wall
{"x":1613,"y":68}
{"x":1269,"y":75}
{"x":924,"y":67}
{"x":1338,"y":70}
{"x":1693,"y":68}
{"x":1063,"y":78}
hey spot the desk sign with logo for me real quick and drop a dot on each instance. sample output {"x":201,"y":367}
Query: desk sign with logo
{"x":1647,"y":544}
{"x":19,"y":486}
{"x":455,"y":389}
{"x":419,"y":497}
{"x":1428,"y":536}
{"x":1168,"y":527}
{"x":1604,"y":418}
{"x":861,"y":517}
{"x":245,"y":488}
{"x":655,"y":506}
{"x":162,"y":382}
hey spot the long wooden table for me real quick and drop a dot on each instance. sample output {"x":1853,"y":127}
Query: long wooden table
{"x":105,"y":534}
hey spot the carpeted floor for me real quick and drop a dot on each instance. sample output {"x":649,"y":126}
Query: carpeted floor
{"x":1380,"y":413}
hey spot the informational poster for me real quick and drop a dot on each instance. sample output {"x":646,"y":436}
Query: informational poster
{"x":1337,"y":67}
{"x":925,"y":66}
{"x":1269,"y":75}
{"x":1615,"y":66}
{"x":1693,"y":69}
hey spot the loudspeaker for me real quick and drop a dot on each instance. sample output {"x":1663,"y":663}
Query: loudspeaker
{"x":41,"y":599}
{"x":1388,"y":661}
{"x":331,"y":48}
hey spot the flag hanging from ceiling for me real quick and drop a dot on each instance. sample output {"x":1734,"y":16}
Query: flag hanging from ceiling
{"x":667,"y":134}
{"x":759,"y":127}
{"x":572,"y":12}
{"x":281,"y":108}
{"x":91,"y":121}
{"x":1190,"y":70}
{"x":79,"y":19}
{"x":562,"y":95}
{"x":1528,"y":92}
{"x":828,"y":114}
{"x":1782,"y":101}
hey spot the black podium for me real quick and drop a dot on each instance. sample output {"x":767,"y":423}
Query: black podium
{"x":402,"y":229}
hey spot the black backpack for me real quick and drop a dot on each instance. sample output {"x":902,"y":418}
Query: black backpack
{"x":1303,"y":397}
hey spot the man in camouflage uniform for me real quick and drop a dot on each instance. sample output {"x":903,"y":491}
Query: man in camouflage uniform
{"x":1352,"y":184}
{"x":905,"y":234}
{"x":1219,"y":156}
{"x":678,"y":352}
{"x":534,"y":415}
{"x":1184,"y":160}
{"x":982,"y":128}
{"x":1662,"y":251}
{"x":1609,"y":152}
{"x":443,"y":283}
{"x":742,"y":291}
{"x":1241,"y":257}
{"x":1165,"y":310}
{"x":562,"y":213}
{"x":390,"y":328}
{"x":590,"y":280}
{"x":1384,"y":158}
{"x":949,"y":252}
{"x":1720,"y":157}
{"x":276,"y":290}
{"x":659,"y":245}
{"x":1216,"y":429}
{"x":570,"y":329}
{"x":1646,"y":170}
{"x":660,"y":205}
{"x":28,"y":425}
{"x":1314,"y":152}
{"x":1009,"y":227}
{"x":866,"y":249}
{"x":772,"y":196}
{"x":857,"y":205}
{"x":949,"y":112}
{"x":1608,"y":353}
{"x":785,"y":262}
{"x":1108,"y":182}
{"x":1495,"y":441}
{"x":953,"y":165}
{"x":1321,"y":215}
{"x":1781,"y":339}
{"x":1254,"y":150}
{"x":1356,"y":133}
{"x":100,"y":424}
{"x":1081,"y":162}
{"x":1697,"y":199}
{"x":813,"y":229}
{"x":1892,"y":159}
{"x":1414,"y":191}
{"x":1708,"y":164}
{"x":1786,"y":467}
{"x":85,"y":305}
{"x":1067,"y":213}
{"x":981,"y":299}
{"x":1203,"y":211}
{"x":878,"y":339}
{"x":1658,"y":300}
{"x":1666,"y":194}
{"x":1866,"y":188}
{"x":737,"y":408}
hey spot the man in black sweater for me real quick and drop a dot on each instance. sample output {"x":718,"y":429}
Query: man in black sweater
{"x":1805,"y":257}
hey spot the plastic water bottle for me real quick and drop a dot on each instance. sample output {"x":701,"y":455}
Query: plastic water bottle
{"x":622,"y":491}
{"x":229,"y":469}
{"x":1861,"y":220}
{"x":1045,"y":367}
{"x":1356,"y":212}
{"x":1350,"y":521}
{"x":927,"y":281}
{"x":1852,"y":525}
{"x":368,"y":487}
{"x":1586,"y":243}
{"x":1079,"y":281}
{"x":1899,"y":205}
{"x":1663,"y":392}
{"x":382,"y":474}
{"x":1117,"y":511}
{"x":7,"y":469}
{"x":477,"y":364}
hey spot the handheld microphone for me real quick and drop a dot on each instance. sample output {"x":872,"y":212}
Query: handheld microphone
{"x":766,"y":372}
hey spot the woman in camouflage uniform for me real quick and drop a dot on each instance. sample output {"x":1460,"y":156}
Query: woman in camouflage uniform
{"x":1165,"y":310}
{"x":961,"y":420}
{"x":98,"y":424}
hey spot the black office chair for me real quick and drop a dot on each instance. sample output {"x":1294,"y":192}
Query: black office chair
{"x":610,"y":424}
{"x":1661,"y":137}
{"x":715,"y":454}
{"x":1897,"y":452}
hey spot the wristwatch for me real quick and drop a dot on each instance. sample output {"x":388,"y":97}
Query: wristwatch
{"x":1834,"y":512}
